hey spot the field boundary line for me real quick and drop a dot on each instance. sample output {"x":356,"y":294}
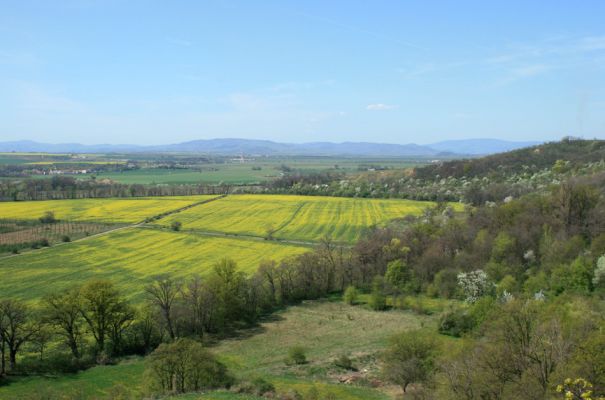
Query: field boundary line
{"x":132,"y":225}
{"x":243,"y":236}
{"x":119,"y":228}
{"x":165,"y":214}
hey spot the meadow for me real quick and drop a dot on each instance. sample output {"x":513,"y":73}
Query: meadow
{"x":295,"y":217}
{"x":235,"y":174}
{"x":129,"y":257}
{"x":122,"y":210}
{"x":331,"y":329}
{"x":253,"y":171}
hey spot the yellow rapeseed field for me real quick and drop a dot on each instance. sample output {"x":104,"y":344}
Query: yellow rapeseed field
{"x":122,"y":210}
{"x":130,"y":257}
{"x":296,"y":217}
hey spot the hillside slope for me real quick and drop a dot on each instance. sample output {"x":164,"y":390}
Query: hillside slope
{"x":530,"y":159}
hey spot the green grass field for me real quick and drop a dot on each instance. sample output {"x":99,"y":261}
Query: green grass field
{"x":122,"y":210}
{"x":295,"y":217}
{"x":129,"y":257}
{"x":216,"y":173}
{"x":251,"y":172}
{"x":330,"y":329}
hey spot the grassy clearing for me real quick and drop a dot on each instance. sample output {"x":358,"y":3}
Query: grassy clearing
{"x":95,"y":382}
{"x":123,"y":210}
{"x":129,"y":258}
{"x":295,"y":217}
{"x":326,"y":329}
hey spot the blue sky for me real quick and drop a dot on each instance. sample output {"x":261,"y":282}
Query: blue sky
{"x":153,"y":72}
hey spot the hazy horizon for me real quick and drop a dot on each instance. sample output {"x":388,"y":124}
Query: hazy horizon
{"x":152,"y":73}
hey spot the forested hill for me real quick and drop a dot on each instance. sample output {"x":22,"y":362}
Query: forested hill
{"x":569,"y":153}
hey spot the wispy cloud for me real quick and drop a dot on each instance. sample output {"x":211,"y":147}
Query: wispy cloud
{"x":381,"y":107}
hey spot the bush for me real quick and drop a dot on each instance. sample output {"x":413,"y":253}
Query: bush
{"x":296,"y":355}
{"x":257,"y":387}
{"x":65,"y":239}
{"x":176,"y":226}
{"x":184,"y":366}
{"x":350,"y":296}
{"x":262,"y":387}
{"x":343,"y":361}
{"x":378,"y":300}
{"x":456,"y":323}
{"x":48,"y":218}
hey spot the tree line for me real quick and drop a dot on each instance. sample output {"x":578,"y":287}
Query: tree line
{"x":65,"y":187}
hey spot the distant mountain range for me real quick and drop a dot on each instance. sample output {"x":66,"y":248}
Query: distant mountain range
{"x":267,"y":147}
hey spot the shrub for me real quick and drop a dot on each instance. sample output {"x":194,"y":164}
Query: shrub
{"x":176,"y":226}
{"x":257,"y":387}
{"x":65,"y":239}
{"x":378,"y":300}
{"x":343,"y":361}
{"x":296,"y":355}
{"x":184,"y":366}
{"x":351,"y":294}
{"x":456,"y":323}
{"x":262,"y":386}
{"x":48,"y":218}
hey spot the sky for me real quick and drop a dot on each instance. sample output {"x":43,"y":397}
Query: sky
{"x":157,"y":72}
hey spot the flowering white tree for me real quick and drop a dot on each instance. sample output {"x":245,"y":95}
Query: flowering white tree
{"x":474,"y":284}
{"x":599,"y":273}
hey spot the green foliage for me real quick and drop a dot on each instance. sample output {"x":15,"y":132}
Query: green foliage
{"x":343,"y":361}
{"x":503,"y":247}
{"x":456,"y":322}
{"x":410,"y":358}
{"x":446,"y":283}
{"x":536,"y":283}
{"x":257,"y":386}
{"x":296,"y":355}
{"x":176,"y":226}
{"x":48,"y":218}
{"x":507,"y":284}
{"x":401,"y":276}
{"x":184,"y":366}
{"x":351,"y":295}
{"x":575,"y":277}
{"x":378,"y":300}
{"x":106,"y":313}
